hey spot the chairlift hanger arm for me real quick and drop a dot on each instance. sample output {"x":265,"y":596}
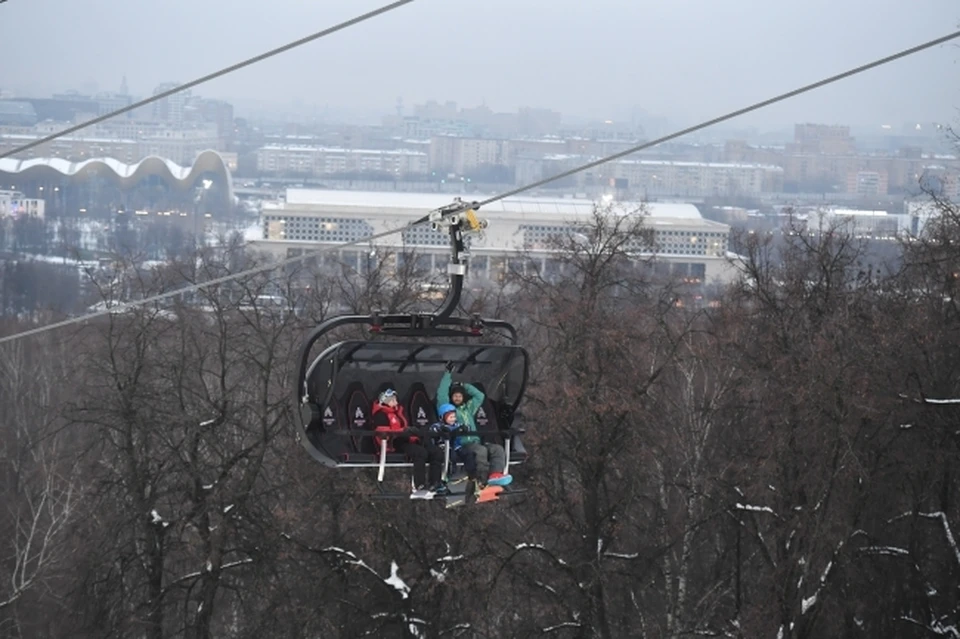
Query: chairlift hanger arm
{"x":459,"y":218}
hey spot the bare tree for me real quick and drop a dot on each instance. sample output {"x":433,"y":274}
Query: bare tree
{"x":387,"y":281}
{"x":40,"y":493}
{"x":688,"y":462}
{"x":602,"y":336}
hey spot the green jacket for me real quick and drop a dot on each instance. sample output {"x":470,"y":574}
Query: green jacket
{"x":466,"y":411}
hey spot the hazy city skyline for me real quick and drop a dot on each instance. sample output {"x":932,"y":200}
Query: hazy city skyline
{"x":604,"y":59}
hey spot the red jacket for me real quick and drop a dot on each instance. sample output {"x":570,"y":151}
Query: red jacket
{"x":387,"y":419}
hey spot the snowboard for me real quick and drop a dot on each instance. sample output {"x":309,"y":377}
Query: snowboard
{"x":468,"y":497}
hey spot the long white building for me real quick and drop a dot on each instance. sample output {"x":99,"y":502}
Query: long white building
{"x":319,"y":161}
{"x":687,"y":245}
{"x":659,"y":178}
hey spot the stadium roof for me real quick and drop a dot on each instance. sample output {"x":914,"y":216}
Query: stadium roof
{"x":127,"y":174}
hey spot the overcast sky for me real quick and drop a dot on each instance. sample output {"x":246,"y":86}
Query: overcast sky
{"x":685,"y":59}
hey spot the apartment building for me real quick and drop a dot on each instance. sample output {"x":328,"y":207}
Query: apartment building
{"x":320,"y":161}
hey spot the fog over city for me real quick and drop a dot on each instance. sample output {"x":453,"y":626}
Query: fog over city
{"x":598,"y":59}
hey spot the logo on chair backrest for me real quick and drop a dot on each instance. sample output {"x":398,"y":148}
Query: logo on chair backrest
{"x":359,"y":417}
{"x":328,"y":419}
{"x":482,"y":417}
{"x":421,"y":416}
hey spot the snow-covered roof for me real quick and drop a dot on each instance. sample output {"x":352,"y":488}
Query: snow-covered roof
{"x":425,"y":202}
{"x":329,"y":149}
{"x":712,"y":165}
{"x":853,"y":212}
{"x":68,"y":167}
{"x":30,"y":137}
{"x":153,"y":165}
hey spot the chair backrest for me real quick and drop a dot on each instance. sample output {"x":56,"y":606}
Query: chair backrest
{"x":421,"y":410}
{"x":332,"y":442}
{"x":357,"y":417}
{"x":487,"y":418}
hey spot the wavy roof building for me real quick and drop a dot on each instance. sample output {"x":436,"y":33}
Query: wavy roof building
{"x":125,"y":176}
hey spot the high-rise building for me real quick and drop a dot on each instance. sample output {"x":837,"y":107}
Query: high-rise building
{"x":170,"y":109}
{"x":823,"y":138}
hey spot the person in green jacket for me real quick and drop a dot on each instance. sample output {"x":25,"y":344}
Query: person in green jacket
{"x":485,"y":463}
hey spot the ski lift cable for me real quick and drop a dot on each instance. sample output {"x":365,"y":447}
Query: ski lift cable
{"x":728,"y":116}
{"x":210,"y":76}
{"x":427,"y":218}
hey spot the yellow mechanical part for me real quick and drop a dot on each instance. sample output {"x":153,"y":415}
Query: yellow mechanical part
{"x":472,"y":221}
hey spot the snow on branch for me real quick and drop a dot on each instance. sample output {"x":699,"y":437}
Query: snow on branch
{"x":395,"y":581}
{"x":350,"y":558}
{"x":414,"y":626}
{"x":441,"y":575}
{"x":808,"y":602}
{"x":758,"y":509}
{"x":935,"y":626}
{"x":155,"y":518}
{"x":208,"y":568}
{"x":542,"y":549}
{"x":900,"y":516}
{"x":946,"y":529}
{"x":884,"y":550}
{"x":565,"y":624}
{"x":928,"y":400}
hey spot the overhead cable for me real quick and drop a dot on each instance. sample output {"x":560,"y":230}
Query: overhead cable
{"x":207,"y":78}
{"x":730,"y":115}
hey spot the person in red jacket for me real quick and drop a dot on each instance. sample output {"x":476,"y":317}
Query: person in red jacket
{"x":388,"y":417}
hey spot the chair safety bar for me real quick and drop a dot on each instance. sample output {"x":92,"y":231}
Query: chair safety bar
{"x":418,"y":433}
{"x":383,"y":459}
{"x":446,"y":462}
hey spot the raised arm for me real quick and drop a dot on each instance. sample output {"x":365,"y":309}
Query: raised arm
{"x":443,"y":391}
{"x":476,"y":398}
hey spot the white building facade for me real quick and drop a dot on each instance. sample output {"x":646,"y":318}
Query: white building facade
{"x":14,"y":204}
{"x":520,"y":229}
{"x":658,"y":177}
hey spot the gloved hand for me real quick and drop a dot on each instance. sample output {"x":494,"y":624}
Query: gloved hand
{"x":450,"y":366}
{"x":438,"y":431}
